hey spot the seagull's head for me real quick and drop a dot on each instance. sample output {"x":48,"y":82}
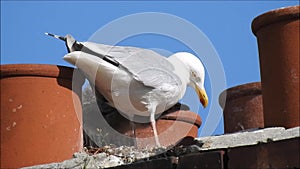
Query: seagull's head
{"x":196,"y":74}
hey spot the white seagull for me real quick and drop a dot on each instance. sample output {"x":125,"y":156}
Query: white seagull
{"x":137,"y":81}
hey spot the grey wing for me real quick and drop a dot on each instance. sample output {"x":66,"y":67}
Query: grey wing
{"x":146,"y":65}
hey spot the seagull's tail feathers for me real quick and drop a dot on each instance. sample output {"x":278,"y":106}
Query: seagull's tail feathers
{"x":71,"y":43}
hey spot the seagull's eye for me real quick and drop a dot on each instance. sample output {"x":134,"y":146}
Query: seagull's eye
{"x":195,"y":77}
{"x":194,"y":74}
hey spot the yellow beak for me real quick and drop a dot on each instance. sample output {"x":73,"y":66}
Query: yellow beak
{"x":202,"y":96}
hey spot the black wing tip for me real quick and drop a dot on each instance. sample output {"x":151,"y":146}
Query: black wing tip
{"x":56,"y":36}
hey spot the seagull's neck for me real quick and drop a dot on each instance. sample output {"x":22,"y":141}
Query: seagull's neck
{"x":181,"y":70}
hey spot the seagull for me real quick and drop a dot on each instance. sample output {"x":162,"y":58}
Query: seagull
{"x":137,"y":81}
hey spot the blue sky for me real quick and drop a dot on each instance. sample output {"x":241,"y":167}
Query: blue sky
{"x":226,"y":24}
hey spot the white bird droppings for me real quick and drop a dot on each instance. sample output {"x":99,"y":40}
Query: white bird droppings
{"x":8,"y":128}
{"x":17,"y":108}
{"x":20,"y":106}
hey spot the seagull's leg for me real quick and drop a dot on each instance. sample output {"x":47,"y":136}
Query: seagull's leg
{"x":132,"y":125}
{"x":153,"y":123}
